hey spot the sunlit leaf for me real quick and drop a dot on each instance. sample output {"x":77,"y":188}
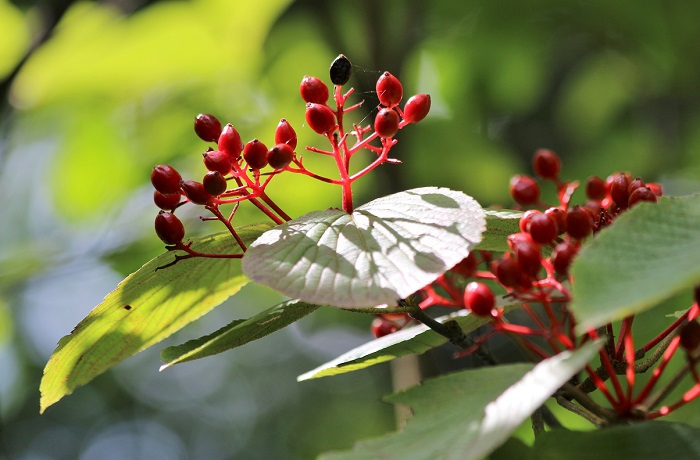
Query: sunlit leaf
{"x":477,"y":409}
{"x":145,"y":308}
{"x":647,"y":255}
{"x":238,"y":333}
{"x":382,"y":252}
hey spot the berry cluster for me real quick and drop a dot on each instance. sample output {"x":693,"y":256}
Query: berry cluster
{"x":534,"y":274}
{"x":238,"y":172}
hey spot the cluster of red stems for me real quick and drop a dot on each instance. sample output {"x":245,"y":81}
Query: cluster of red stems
{"x":534,"y":274}
{"x":240,"y":172}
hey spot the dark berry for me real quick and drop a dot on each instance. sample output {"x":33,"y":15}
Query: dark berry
{"x":579,"y":222}
{"x":381,"y":327}
{"x":467,"y":267}
{"x":509,"y":274}
{"x":320,"y":118}
{"x":207,"y":127}
{"x":386,"y":123}
{"x":255,"y":154}
{"x":416,"y":108}
{"x":214,"y":183}
{"x":230,"y":142}
{"x":389,"y":90}
{"x":525,"y":219}
{"x":635,"y":184}
{"x":542,"y":229}
{"x":285,"y":134}
{"x":341,"y":69}
{"x":690,"y":337}
{"x":280,"y":156}
{"x":169,"y":228}
{"x":558,"y":216}
{"x":312,"y":89}
{"x":219,"y":161}
{"x":479,"y":299}
{"x":524,"y":190}
{"x":528,"y":256}
{"x":196,"y":193}
{"x":563,"y":255}
{"x":166,"y":201}
{"x":595,"y":188}
{"x":642,"y":194}
{"x":165,"y":179}
{"x":546,"y":164}
{"x":619,"y":190}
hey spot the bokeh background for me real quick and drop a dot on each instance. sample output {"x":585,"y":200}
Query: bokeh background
{"x":93,"y":94}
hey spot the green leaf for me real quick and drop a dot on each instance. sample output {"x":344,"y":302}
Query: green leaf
{"x":468,"y":414}
{"x":499,"y":224}
{"x":647,"y":255}
{"x":409,"y":341}
{"x":238,"y":333}
{"x":640,"y":441}
{"x":145,"y":308}
{"x":382,"y":252}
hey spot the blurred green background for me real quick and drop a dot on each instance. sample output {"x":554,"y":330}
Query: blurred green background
{"x":94,"y":94}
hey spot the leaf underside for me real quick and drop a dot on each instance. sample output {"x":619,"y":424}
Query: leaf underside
{"x":382,"y":252}
{"x":148,"y":306}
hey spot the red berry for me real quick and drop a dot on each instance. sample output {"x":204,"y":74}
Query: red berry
{"x":524,"y":190}
{"x":619,"y":190}
{"x":416,"y":108}
{"x":558,"y":216}
{"x":467,"y":267}
{"x":595,"y":188}
{"x":528,"y":256}
{"x":320,"y":118}
{"x":546,"y":164}
{"x":196,"y":192}
{"x":389,"y":90}
{"x":509,"y":274}
{"x":542,"y":229}
{"x":386,"y":123}
{"x":166,"y":201}
{"x":525,"y":219}
{"x":635,"y":184}
{"x":479,"y":299}
{"x":381,"y":327}
{"x":214,"y":183}
{"x":656,"y":188}
{"x":690,"y":337}
{"x":230,"y":142}
{"x":255,"y":154}
{"x":642,"y":194}
{"x":280,"y":156}
{"x":563,"y":255}
{"x":169,"y":228}
{"x":579,"y":222}
{"x":207,"y":127}
{"x":216,"y":160}
{"x":312,"y":89}
{"x":165,"y":179}
{"x":341,"y":69}
{"x":285,"y":134}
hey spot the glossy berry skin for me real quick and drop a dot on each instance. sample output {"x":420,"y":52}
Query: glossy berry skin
{"x":207,"y":127}
{"x":314,"y":90}
{"x":320,"y":118}
{"x":619,"y":190}
{"x":416,"y":108}
{"x":524,"y":223}
{"x":340,"y":71}
{"x":381,"y":327}
{"x":214,"y":183}
{"x":389,"y":90}
{"x":386,"y":123}
{"x":563,"y":255}
{"x":479,"y":299}
{"x":169,"y":228}
{"x":509,"y":274}
{"x":230,"y":142}
{"x":529,"y":257}
{"x":165,"y":179}
{"x":579,"y":222}
{"x":285,"y":134}
{"x":216,"y":160}
{"x":542,"y":229}
{"x":280,"y":156}
{"x":524,"y":190}
{"x":635,"y":184}
{"x":558,"y":216}
{"x":166,"y":201}
{"x":642,"y":194}
{"x":196,"y":192}
{"x":546,"y":164}
{"x":255,"y":154}
{"x":595,"y":188}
